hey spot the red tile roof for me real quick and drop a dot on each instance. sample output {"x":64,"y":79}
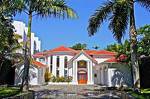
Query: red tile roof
{"x":38,"y":64}
{"x":99,"y":52}
{"x":40,"y":54}
{"x":66,"y":49}
{"x":121,"y":58}
{"x":112,"y":60}
{"x":62,"y":49}
{"x":84,"y":54}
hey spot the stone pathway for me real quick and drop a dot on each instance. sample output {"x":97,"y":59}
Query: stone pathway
{"x":75,"y":92}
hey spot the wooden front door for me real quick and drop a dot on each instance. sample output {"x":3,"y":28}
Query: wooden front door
{"x":82,"y":77}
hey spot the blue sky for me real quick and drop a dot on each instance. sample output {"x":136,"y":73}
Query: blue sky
{"x":55,"y":32}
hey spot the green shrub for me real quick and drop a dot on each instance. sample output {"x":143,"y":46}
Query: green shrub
{"x":68,"y":79}
{"x":47,"y":75}
{"x":53,"y":79}
{"x":61,"y":79}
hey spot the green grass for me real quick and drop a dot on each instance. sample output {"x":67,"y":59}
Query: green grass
{"x":145,"y":91}
{"x":8,"y":91}
{"x":145,"y":94}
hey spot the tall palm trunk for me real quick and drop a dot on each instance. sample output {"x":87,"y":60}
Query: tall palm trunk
{"x":133,"y":41}
{"x":28,"y":56}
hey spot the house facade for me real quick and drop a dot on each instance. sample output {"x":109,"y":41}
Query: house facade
{"x":21,"y":29}
{"x":86,"y":66}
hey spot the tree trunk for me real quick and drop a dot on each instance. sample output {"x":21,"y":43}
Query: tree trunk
{"x":27,"y":56}
{"x":133,"y":41}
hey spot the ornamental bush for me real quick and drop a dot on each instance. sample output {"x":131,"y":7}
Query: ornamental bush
{"x":47,"y":75}
{"x":61,"y":79}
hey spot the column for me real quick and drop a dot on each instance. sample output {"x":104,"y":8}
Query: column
{"x":48,"y":62}
{"x":91,"y":74}
{"x":54,"y":66}
{"x":75,"y":81}
{"x":61,"y":67}
{"x":88,"y":72}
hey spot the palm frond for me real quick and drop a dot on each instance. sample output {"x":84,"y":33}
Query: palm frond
{"x":99,"y":16}
{"x":55,"y":8}
{"x":119,"y":21}
{"x":144,"y":3}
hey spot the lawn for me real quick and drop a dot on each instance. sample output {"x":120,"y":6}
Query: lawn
{"x":8,"y":91}
{"x":145,"y":94}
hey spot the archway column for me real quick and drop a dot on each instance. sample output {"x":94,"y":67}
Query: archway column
{"x":75,"y":80}
{"x":90,"y":73}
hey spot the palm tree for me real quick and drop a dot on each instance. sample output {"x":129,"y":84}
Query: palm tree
{"x":120,"y":13}
{"x":43,"y":8}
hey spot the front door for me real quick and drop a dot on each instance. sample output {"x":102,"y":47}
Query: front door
{"x":82,"y":77}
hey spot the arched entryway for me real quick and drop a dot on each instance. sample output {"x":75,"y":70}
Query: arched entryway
{"x":82,"y":77}
{"x":82,"y":72}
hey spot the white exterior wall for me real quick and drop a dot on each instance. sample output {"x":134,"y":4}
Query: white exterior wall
{"x":38,"y":43}
{"x":70,"y":72}
{"x":32,"y":43}
{"x":34,"y":80}
{"x":20,"y":28}
{"x":102,"y":58}
{"x":113,"y":74}
{"x":120,"y":74}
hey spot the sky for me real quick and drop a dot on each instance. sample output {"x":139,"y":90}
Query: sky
{"x":57,"y":32}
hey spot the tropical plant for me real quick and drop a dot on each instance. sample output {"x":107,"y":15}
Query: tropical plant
{"x":47,"y":75}
{"x":79,"y":46}
{"x":42,"y":8}
{"x":120,"y":13}
{"x":144,"y":40}
{"x":123,"y":51}
{"x":8,"y":45}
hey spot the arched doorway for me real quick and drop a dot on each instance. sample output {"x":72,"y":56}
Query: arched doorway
{"x":82,"y":77}
{"x":82,"y":72}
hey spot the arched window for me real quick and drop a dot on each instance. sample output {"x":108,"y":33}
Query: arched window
{"x":51,"y":64}
{"x":65,"y":61}
{"x":57,"y":61}
{"x":34,"y":47}
{"x":82,"y":64}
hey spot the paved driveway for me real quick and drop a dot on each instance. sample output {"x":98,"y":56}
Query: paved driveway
{"x":76,"y":92}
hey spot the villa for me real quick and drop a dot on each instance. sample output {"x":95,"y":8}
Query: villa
{"x":86,"y":66}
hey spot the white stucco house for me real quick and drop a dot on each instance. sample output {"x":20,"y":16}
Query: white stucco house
{"x":86,"y":66}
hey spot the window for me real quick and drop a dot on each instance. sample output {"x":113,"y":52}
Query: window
{"x":65,"y":61}
{"x":95,"y":75}
{"x":82,"y":64}
{"x":51,"y":64}
{"x":42,"y":60}
{"x":91,"y":55}
{"x":57,"y":73}
{"x":57,"y":61}
{"x":65,"y":73}
{"x":34,"y":47}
